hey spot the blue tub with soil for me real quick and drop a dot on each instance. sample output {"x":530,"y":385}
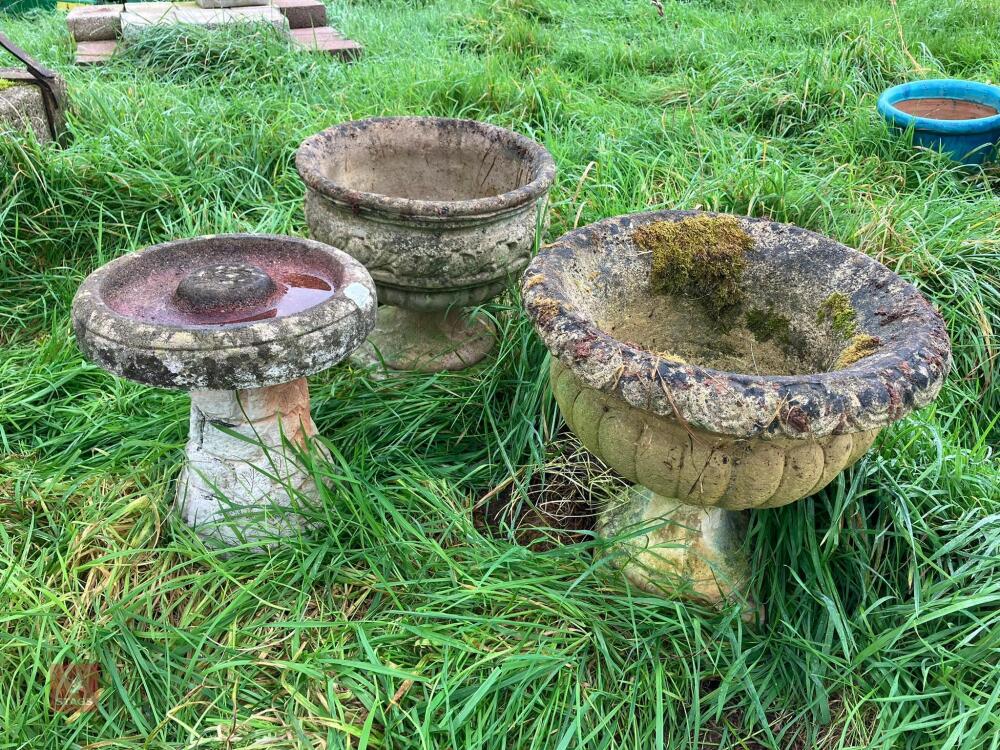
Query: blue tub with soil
{"x":958,"y":118}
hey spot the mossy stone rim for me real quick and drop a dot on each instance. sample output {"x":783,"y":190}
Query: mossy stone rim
{"x":250,"y":354}
{"x":314,"y":152}
{"x":905,"y":374}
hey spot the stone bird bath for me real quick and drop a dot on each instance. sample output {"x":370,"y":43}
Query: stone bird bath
{"x":239,"y":320}
{"x":714,"y":407}
{"x":440,"y":211}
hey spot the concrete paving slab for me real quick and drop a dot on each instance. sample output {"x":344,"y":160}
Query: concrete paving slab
{"x":136,"y":21}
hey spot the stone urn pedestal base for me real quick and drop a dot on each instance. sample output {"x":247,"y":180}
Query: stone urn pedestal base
{"x":430,"y":341}
{"x":676,"y":549}
{"x":243,"y":479}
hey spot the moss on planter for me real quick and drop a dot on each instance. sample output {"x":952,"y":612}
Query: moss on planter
{"x":861,"y":346}
{"x":5,"y":84}
{"x":701,"y":257}
{"x":838,"y":311}
{"x":767,"y":324}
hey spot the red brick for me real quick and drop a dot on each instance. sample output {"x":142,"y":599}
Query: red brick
{"x":326,"y":39}
{"x":302,"y":14}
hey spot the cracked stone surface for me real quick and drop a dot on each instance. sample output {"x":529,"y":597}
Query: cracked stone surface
{"x":708,"y":438}
{"x":442,"y":212}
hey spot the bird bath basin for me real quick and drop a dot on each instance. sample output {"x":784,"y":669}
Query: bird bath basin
{"x":441,"y":212}
{"x":239,"y":321}
{"x":715,"y":404}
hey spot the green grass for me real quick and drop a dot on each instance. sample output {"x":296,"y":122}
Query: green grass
{"x":402,"y":623}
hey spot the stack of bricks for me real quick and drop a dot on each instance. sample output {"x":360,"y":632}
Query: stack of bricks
{"x":97,"y":29}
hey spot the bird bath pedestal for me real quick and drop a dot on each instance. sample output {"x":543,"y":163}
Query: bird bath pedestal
{"x":713,"y":405}
{"x":441,"y":212}
{"x":239,"y":321}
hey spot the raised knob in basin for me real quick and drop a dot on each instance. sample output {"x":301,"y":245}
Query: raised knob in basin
{"x":225,"y":286}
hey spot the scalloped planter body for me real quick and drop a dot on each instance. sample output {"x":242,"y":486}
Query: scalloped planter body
{"x":441,"y":212}
{"x":970,"y":141}
{"x":225,"y":318}
{"x":703,"y":445}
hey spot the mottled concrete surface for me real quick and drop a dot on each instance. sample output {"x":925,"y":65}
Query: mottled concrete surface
{"x":443,"y":213}
{"x":430,"y":341}
{"x":695,"y":551}
{"x":249,"y":355}
{"x":22,"y":106}
{"x":592,"y":276}
{"x":701,"y":443}
{"x":238,"y":489}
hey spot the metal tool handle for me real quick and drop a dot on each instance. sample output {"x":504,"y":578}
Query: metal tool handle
{"x":34,"y":67}
{"x":43,"y":78}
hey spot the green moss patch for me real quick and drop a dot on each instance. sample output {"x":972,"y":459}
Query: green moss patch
{"x":861,"y":346}
{"x":5,"y":84}
{"x":702,"y":257}
{"x":839,"y":312}
{"x":767,"y":324}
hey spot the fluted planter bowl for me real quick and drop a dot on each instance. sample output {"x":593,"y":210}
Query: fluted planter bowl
{"x":441,"y":212}
{"x":713,"y":413}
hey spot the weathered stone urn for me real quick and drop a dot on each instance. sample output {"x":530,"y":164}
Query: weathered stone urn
{"x":239,"y":321}
{"x":723,"y":364}
{"x":442,"y":213}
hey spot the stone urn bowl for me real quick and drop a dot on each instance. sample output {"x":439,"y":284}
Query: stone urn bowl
{"x":441,"y":212}
{"x":723,"y":364}
{"x":239,"y":321}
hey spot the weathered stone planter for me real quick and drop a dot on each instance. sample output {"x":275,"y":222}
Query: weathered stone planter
{"x":238,"y":320}
{"x":441,"y":212}
{"x":819,"y":348}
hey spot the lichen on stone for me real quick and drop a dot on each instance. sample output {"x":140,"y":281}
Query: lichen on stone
{"x":767,"y":324}
{"x":548,"y":309}
{"x":860,"y":346}
{"x":702,"y":257}
{"x":533,"y":281}
{"x":839,"y":312}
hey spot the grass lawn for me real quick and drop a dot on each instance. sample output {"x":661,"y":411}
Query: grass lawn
{"x":407,"y":622}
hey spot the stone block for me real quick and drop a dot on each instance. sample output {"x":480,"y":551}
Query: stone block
{"x":230,"y":3}
{"x":137,"y":20}
{"x":95,"y":23}
{"x":21,"y":108}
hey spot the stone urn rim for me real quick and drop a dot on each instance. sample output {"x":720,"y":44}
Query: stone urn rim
{"x":871,"y":393}
{"x":347,"y":315}
{"x":311,"y":154}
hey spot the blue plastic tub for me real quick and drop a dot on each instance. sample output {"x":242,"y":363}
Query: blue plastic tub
{"x":967,"y":141}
